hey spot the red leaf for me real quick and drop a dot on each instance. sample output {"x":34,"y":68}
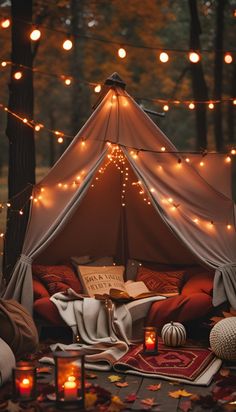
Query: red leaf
{"x":131,"y":398}
{"x":185,"y":406}
{"x":122,"y":384}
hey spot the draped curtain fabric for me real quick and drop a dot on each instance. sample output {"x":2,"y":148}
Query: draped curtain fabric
{"x":193,"y":204}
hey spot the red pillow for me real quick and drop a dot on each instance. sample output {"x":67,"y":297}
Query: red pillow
{"x":39,"y":289}
{"x":47,"y":310}
{"x":199,"y":282}
{"x":57,"y":278}
{"x":162,"y":282}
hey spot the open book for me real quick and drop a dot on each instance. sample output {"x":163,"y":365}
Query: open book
{"x":135,"y":290}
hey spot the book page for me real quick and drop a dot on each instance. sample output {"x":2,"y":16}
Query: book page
{"x":136,"y":288}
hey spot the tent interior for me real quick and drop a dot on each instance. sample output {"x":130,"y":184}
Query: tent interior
{"x":118,"y":221}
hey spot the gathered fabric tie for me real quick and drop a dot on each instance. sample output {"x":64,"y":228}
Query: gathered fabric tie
{"x":25,"y":259}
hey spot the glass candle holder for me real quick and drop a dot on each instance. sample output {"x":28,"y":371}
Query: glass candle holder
{"x":150,"y":341}
{"x":24,"y":382}
{"x":69,"y":377}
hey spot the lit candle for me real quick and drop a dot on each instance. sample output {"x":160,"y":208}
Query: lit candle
{"x":150,"y":344}
{"x":70,"y":389}
{"x":25,"y":387}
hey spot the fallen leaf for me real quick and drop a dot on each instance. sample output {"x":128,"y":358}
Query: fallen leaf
{"x":180,"y":393}
{"x":224,"y":372}
{"x":116,"y":404}
{"x":13,"y":407}
{"x":91,"y":376}
{"x":227,"y":314}
{"x":90,"y":400}
{"x":114,"y":378}
{"x":121,"y":384}
{"x":186,"y":406}
{"x":148,"y":402}
{"x":156,"y":387}
{"x":131,"y":398}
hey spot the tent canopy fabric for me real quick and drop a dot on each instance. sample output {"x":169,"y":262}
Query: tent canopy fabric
{"x":122,"y":189}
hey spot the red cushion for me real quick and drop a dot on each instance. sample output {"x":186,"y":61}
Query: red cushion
{"x":39,"y":289}
{"x":57,"y":278}
{"x":198,"y":282}
{"x":48,"y":311}
{"x":161,"y":281}
{"x":179,"y":308}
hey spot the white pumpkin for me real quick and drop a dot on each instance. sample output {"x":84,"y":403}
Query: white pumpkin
{"x":173,"y":334}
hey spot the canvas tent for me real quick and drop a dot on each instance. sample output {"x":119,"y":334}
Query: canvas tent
{"x":121,"y":189}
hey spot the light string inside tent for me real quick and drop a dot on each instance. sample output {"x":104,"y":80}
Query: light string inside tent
{"x":117,"y":158}
{"x":68,"y":78}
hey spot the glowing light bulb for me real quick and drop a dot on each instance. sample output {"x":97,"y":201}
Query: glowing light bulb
{"x":67,"y":44}
{"x":165,"y":107}
{"x":187,"y":160}
{"x":191,"y":106}
{"x":234,"y":101}
{"x":196,"y":220}
{"x":5,"y":23}
{"x":163,"y":149}
{"x":3,"y":64}
{"x":2,"y":235}
{"x":35,"y":34}
{"x":60,"y":140}
{"x":122,"y":53}
{"x":21,"y":212}
{"x":164,"y":57}
{"x":17,"y":75}
{"x":228,"y":159}
{"x":233,"y":151}
{"x":211,"y":106}
{"x":228,"y":58}
{"x":97,"y":88}
{"x":229,"y":227}
{"x":194,"y":57}
{"x":67,"y":81}
{"x":201,"y":164}
{"x":37,"y":127}
{"x":170,"y":200}
{"x":25,"y":120}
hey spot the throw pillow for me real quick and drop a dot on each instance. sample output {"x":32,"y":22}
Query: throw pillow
{"x":162,"y":282}
{"x":39,"y":289}
{"x":99,"y":280}
{"x":57,"y":278}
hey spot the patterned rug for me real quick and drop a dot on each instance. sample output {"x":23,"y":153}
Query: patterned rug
{"x":195,"y":365}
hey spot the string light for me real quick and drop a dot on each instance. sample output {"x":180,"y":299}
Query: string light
{"x":211,"y":106}
{"x":17,"y":75}
{"x":165,"y":107}
{"x":60,"y":140}
{"x":201,"y":163}
{"x":164,"y":57}
{"x":97,"y":88}
{"x":4,"y":64}
{"x":163,"y":149}
{"x":67,"y":81}
{"x":121,"y":52}
{"x":67,"y":44}
{"x":35,"y":34}
{"x":191,"y":106}
{"x":233,"y":151}
{"x":194,"y":57}
{"x":228,"y":58}
{"x":5,"y":23}
{"x":228,"y":159}
{"x":234,"y":101}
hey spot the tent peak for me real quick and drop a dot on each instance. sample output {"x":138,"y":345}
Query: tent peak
{"x":115,"y":80}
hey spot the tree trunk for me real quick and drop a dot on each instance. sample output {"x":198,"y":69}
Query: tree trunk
{"x":199,"y":85}
{"x":218,"y":74}
{"x":231,"y":109}
{"x":80,"y":91}
{"x":21,"y":172}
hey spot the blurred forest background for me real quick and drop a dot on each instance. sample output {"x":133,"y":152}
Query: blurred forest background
{"x":98,"y":28}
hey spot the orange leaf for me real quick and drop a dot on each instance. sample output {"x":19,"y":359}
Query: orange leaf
{"x":180,"y":393}
{"x":154,"y":387}
{"x":227,"y":314}
{"x":122,"y":384}
{"x":148,"y":401}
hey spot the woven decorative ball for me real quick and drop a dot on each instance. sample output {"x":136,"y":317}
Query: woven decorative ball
{"x":173,"y":334}
{"x":223,"y":338}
